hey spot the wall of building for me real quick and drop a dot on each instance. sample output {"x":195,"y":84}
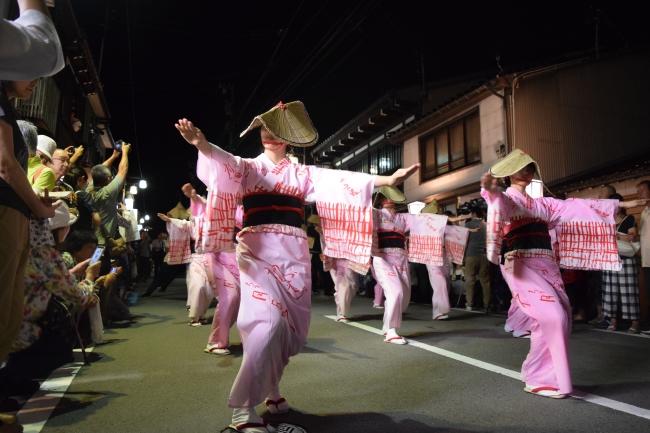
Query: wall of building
{"x":580,"y":119}
{"x":492,"y":120}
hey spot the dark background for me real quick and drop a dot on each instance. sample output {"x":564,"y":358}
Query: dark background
{"x":220,"y":63}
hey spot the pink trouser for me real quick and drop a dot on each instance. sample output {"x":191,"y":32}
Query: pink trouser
{"x":226,"y":280}
{"x":379,"y":291}
{"x":537,"y":289}
{"x":517,"y":320}
{"x":392,"y":273}
{"x":344,"y":286}
{"x":438,"y":276}
{"x":274,"y":312}
{"x":199,"y":288}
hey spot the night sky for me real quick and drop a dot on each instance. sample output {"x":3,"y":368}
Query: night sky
{"x":220,"y":63}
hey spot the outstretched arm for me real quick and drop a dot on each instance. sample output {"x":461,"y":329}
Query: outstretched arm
{"x":396,"y":178}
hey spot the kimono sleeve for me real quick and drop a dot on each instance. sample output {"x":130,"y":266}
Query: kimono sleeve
{"x":586,"y":233}
{"x":344,"y":203}
{"x":455,"y":243}
{"x":179,"y":242}
{"x":498,"y":214}
{"x":425,"y":238}
{"x":223,"y":174}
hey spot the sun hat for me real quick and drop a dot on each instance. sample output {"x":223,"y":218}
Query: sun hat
{"x":392,"y":193}
{"x":179,"y":212}
{"x":512,"y":163}
{"x":431,"y":207}
{"x":46,"y":146}
{"x":313,"y":219}
{"x":289,"y":122}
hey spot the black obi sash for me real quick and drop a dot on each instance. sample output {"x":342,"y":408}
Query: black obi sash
{"x":391,"y":239}
{"x":271,"y":208}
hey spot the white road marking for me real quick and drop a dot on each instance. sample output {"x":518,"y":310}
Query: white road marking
{"x":591,"y":398}
{"x":38,"y":409}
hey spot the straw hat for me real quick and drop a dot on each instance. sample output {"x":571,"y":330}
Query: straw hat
{"x":313,"y":219}
{"x":392,"y":193}
{"x":289,"y":122}
{"x":431,"y":207}
{"x":46,"y":146}
{"x":512,"y":163}
{"x":179,"y":212}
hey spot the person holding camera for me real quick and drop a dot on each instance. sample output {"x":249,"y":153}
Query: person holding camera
{"x":476,"y":262}
{"x":105,"y":194}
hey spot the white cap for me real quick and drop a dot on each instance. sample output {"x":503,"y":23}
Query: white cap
{"x":46,"y":145}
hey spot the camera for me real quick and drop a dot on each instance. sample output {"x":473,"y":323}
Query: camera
{"x":477,"y":205}
{"x":118,"y":144}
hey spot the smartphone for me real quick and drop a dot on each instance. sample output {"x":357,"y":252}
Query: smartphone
{"x":97,"y":255}
{"x":113,"y":269}
{"x":118,"y":144}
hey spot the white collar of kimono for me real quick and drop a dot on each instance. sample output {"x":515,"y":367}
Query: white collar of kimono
{"x":263,"y":156}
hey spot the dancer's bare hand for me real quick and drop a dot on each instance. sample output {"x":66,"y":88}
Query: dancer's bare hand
{"x":489,"y":183}
{"x":402,"y":174}
{"x":164,"y":217}
{"x":191,"y":133}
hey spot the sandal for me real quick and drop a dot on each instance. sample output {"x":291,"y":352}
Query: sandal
{"x":441,"y":317}
{"x":396,"y":339}
{"x":249,"y":427}
{"x":545,"y":391}
{"x":277,"y":406}
{"x":633,"y":330}
{"x":342,"y":319}
{"x":215,"y":350}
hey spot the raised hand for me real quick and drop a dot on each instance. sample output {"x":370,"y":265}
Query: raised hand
{"x":402,"y":174}
{"x":188,"y":190}
{"x":488,"y":182}
{"x":164,"y":217}
{"x":191,"y":133}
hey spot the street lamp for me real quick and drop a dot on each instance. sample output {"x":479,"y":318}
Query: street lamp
{"x":142,"y":184}
{"x":133,"y":190}
{"x":141,"y":220}
{"x":128,"y":201}
{"x":147,"y":217}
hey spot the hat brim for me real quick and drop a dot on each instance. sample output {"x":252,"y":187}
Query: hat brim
{"x":392,"y":193}
{"x":512,"y":163}
{"x":431,"y":207}
{"x":294,"y":128}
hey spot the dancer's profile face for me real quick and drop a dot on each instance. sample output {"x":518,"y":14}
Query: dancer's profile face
{"x":388,"y":204}
{"x":524,"y":176}
{"x":270,"y":142}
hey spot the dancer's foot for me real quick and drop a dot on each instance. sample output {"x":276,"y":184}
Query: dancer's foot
{"x":213,"y":349}
{"x":246,"y":420}
{"x":545,"y":391}
{"x":441,"y":317}
{"x":393,"y":338}
{"x":521,"y":334}
{"x":377,"y":306}
{"x":342,"y":319}
{"x":280,"y":405}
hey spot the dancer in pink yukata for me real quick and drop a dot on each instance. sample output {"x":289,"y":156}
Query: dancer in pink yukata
{"x":518,"y":239}
{"x":390,"y":255}
{"x":342,"y":274}
{"x":272,"y":251}
{"x":200,"y":285}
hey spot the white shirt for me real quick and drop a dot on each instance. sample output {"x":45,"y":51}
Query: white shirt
{"x":29,"y":47}
{"x":644,"y":232}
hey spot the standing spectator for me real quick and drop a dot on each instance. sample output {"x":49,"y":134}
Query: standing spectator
{"x":622,"y":285}
{"x":29,"y":45}
{"x":105,"y":195}
{"x":144,"y":256}
{"x":643,"y":190}
{"x":476,"y":262}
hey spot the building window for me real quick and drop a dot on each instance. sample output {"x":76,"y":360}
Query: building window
{"x":450,"y":147}
{"x":384,"y":160}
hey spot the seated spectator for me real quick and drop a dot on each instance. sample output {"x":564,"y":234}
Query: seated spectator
{"x":39,"y":174}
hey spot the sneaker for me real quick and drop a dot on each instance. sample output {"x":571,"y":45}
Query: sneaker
{"x":213,"y":349}
{"x":545,"y":391}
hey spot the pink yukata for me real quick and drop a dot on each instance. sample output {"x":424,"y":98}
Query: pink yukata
{"x":518,"y":240}
{"x":226,"y":279}
{"x":198,"y":277}
{"x":273,"y":255}
{"x":390,"y":256}
{"x":454,"y":251}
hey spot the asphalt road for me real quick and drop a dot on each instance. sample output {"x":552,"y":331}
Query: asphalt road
{"x":154,"y":377}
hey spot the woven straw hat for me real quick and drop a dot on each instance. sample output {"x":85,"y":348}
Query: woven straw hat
{"x":431,"y":207}
{"x":392,"y":193}
{"x":179,"y":212}
{"x":512,"y":163}
{"x":313,"y":219}
{"x":289,"y":122}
